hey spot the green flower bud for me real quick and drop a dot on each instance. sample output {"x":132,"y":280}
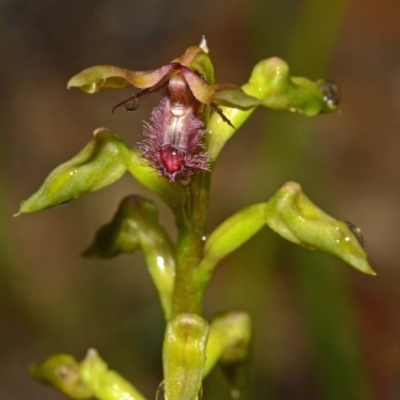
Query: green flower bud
{"x":292,"y":215}
{"x":61,"y":371}
{"x":271,"y":84}
{"x":102,"y":162}
{"x":228,"y":343}
{"x":105,"y":384}
{"x":184,"y":354}
{"x":121,"y":235}
{"x":136,"y":225}
{"x":296,"y":94}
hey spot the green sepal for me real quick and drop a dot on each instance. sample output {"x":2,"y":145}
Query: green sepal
{"x":136,"y":225}
{"x":224,"y":94}
{"x":184,"y":354}
{"x":195,"y":65}
{"x":61,"y":372}
{"x":102,"y":162}
{"x":93,"y":79}
{"x":228,"y":344}
{"x":293,"y":216}
{"x":200,"y":78}
{"x":197,"y":60}
{"x":295,"y":94}
{"x":104,"y":383}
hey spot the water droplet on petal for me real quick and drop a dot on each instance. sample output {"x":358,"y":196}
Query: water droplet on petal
{"x":132,"y":104}
{"x":331,"y":93}
{"x":160,"y":394}
{"x":356,"y":233}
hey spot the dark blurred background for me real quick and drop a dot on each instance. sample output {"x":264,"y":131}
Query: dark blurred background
{"x":321,"y":329}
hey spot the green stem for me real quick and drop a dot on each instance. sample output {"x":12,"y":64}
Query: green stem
{"x":188,"y":293}
{"x":188,"y":296}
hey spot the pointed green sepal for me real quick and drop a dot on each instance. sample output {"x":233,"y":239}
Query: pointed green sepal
{"x":136,"y":225}
{"x":196,"y":59}
{"x":105,"y":383}
{"x":224,"y":94}
{"x":102,"y":162}
{"x":184,"y":354}
{"x":61,"y":372}
{"x":233,"y":96}
{"x":93,"y":79}
{"x":292,"y":215}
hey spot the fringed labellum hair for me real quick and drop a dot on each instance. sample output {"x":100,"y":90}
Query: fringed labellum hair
{"x":172,"y":139}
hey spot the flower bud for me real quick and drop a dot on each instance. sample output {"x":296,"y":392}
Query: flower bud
{"x":105,"y":384}
{"x":61,"y":371}
{"x":292,"y":215}
{"x":102,"y":162}
{"x":296,"y":94}
{"x":121,"y":235}
{"x":184,"y":354}
{"x":135,"y":225}
{"x":228,"y":343}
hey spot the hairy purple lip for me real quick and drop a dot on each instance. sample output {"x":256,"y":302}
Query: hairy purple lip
{"x":172,"y":139}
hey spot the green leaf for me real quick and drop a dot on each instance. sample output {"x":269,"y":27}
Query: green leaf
{"x":184,"y":354}
{"x":93,"y":79}
{"x":136,"y":225}
{"x":61,"y":371}
{"x":105,"y":384}
{"x":102,"y":162}
{"x":292,"y":215}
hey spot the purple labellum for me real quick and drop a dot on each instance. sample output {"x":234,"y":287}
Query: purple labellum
{"x":172,"y":139}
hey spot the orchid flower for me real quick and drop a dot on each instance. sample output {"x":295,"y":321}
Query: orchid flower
{"x":173,"y":141}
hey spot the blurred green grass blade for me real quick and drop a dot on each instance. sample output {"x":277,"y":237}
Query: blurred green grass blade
{"x":315,"y":35}
{"x":332,"y":327}
{"x":326,"y":293}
